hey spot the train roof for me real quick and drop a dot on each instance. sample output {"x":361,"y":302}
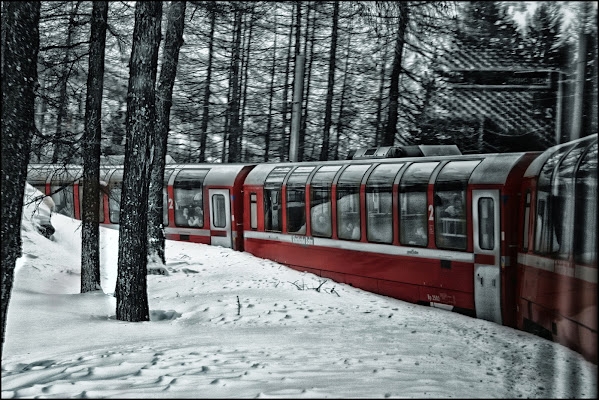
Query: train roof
{"x":535,"y":167}
{"x":493,"y":169}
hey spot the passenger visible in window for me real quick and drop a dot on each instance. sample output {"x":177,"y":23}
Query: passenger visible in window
{"x":455,"y":207}
{"x":351,"y":232}
{"x":197,"y":199}
{"x":197,"y":218}
{"x":420,"y":234}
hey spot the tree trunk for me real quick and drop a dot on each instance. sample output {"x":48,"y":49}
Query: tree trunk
{"x":90,"y":229}
{"x":164,"y":96}
{"x":302,"y":136}
{"x":60,"y":137}
{"x":234,"y":128}
{"x":324,"y":154}
{"x":245,"y":66}
{"x":271,"y":94}
{"x":20,"y":45}
{"x":131,"y":288}
{"x":206,"y":101}
{"x":379,"y":100}
{"x":391,"y":129}
{"x":342,"y":100}
{"x":283,"y":150}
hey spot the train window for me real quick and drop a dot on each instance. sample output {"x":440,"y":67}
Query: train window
{"x":563,"y":202}
{"x":273,"y":204}
{"x":320,"y":201}
{"x":296,"y":200}
{"x":61,"y":187}
{"x":486,"y":223}
{"x":450,"y":204}
{"x":277,"y":176}
{"x":219,"y":211}
{"x":348,"y":202}
{"x":544,"y":229}
{"x":273,"y":210}
{"x":188,"y":190}
{"x":413,"y":204}
{"x":379,"y":203}
{"x":115,"y":186}
{"x":101,"y":206}
{"x":253,"y":211}
{"x":585,"y":231}
{"x":165,"y":204}
{"x":526,"y":224}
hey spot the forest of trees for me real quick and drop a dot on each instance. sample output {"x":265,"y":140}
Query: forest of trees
{"x":368,"y":72}
{"x":212,"y":81}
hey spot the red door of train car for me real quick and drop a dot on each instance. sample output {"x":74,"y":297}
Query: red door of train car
{"x":205,"y":204}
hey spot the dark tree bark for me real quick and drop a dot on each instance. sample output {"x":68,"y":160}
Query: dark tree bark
{"x":60,"y":136}
{"x":379,"y":100}
{"x":324,"y":154}
{"x":206,"y":101}
{"x":391,"y":129}
{"x":245,"y":64}
{"x":131,"y":287}
{"x":344,"y":88}
{"x":310,"y":57}
{"x":234,"y":128}
{"x":168,"y":72}
{"x":283,"y":149}
{"x":271,"y":94}
{"x":90,"y":229}
{"x":20,"y":45}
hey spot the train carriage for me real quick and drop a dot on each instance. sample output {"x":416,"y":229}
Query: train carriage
{"x":431,"y":230}
{"x":203,"y":201}
{"x":557,"y":255}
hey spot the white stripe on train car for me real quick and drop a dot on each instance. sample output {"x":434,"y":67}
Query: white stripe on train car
{"x":187,"y":231}
{"x":360,"y":246}
{"x":581,"y":272}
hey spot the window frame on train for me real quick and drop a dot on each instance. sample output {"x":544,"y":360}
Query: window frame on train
{"x":451,"y":204}
{"x":295,"y":199}
{"x":253,"y":211}
{"x":62,"y":190}
{"x":379,"y":202}
{"x":188,"y":193}
{"x":585,"y":245}
{"x":115,"y":190}
{"x":526,"y":222}
{"x":321,"y":185}
{"x":413,"y":190}
{"x":272,"y":196}
{"x":348,"y":203}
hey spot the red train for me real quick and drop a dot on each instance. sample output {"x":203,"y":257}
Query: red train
{"x":510,"y":238}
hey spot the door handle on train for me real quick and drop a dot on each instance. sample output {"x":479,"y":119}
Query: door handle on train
{"x":480,"y":278}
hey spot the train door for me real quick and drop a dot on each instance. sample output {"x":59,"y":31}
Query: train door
{"x":487,"y":255}
{"x":220,"y":217}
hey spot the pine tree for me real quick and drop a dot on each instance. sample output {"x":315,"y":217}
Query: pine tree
{"x":131,"y":288}
{"x":20,"y":46}
{"x":168,"y":71}
{"x":90,"y":230}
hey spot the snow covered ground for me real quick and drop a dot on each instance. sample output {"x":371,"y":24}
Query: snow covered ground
{"x":228,"y":324}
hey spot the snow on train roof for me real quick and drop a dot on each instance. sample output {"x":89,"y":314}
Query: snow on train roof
{"x":494,"y":168}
